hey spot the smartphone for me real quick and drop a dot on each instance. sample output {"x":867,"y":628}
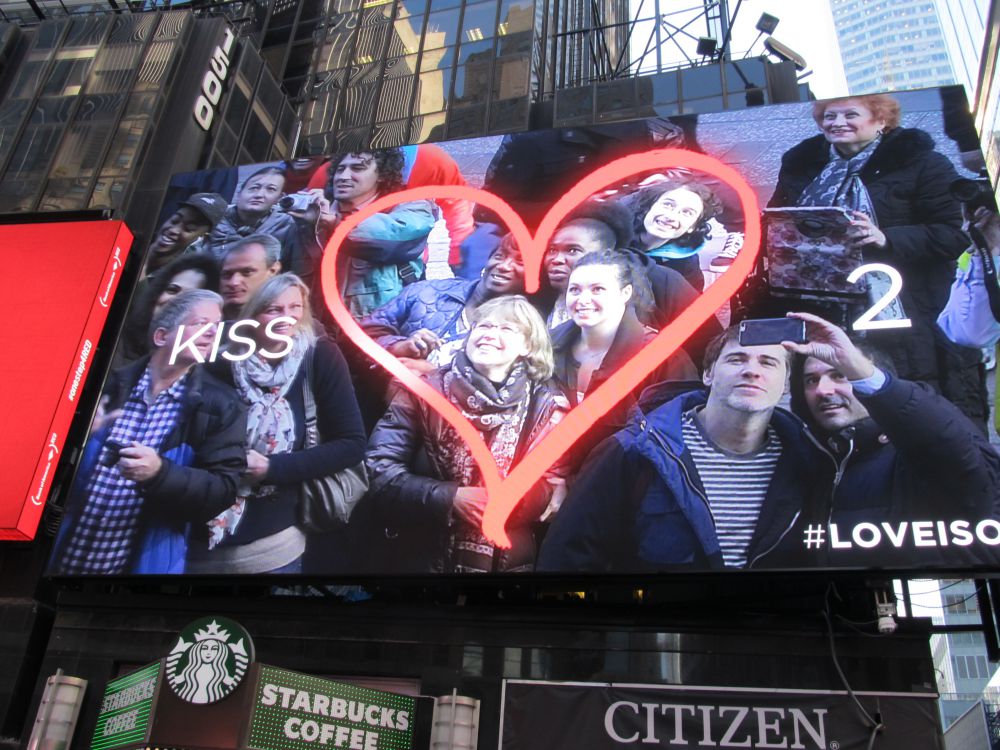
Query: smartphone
{"x":772,"y":331}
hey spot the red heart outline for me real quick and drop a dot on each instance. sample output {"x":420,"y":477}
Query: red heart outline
{"x":505,"y":493}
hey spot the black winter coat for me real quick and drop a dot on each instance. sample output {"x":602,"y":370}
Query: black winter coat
{"x":908,"y":183}
{"x":629,"y":340}
{"x":213,"y":422}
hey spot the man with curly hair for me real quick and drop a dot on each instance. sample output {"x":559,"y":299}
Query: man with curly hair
{"x":384,"y":253}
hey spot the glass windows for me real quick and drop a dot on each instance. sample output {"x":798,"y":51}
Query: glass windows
{"x":432,"y":92}
{"x":479,"y":21}
{"x":442,"y":29}
{"x":394,"y":99}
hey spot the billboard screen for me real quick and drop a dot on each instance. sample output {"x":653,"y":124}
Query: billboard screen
{"x":60,"y":282}
{"x":751,"y":340}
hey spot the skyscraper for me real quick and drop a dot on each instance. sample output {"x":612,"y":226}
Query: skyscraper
{"x":891,"y":45}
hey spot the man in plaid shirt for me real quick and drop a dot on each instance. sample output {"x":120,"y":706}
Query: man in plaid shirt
{"x":171,"y":448}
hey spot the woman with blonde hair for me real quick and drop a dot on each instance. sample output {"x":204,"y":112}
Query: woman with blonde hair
{"x":286,"y":374}
{"x":426,"y":489}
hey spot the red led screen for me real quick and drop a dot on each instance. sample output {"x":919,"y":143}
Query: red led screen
{"x":57,"y":286}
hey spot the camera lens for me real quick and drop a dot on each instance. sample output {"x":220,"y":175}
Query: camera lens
{"x":285,"y":203}
{"x":964,"y":190}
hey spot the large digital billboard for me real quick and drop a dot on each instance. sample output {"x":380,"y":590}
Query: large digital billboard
{"x":751,"y":340}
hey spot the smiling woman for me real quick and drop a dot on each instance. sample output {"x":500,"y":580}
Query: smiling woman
{"x":258,"y":533}
{"x":671,"y":224}
{"x":896,"y":187}
{"x":425,"y":487}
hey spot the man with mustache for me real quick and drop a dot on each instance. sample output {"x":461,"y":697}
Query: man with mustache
{"x":900,"y":451}
{"x":384,"y":253}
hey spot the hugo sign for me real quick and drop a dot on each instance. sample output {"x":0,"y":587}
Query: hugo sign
{"x":212,"y":83}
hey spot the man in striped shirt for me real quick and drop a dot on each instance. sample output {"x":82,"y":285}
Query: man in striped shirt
{"x":706,"y":480}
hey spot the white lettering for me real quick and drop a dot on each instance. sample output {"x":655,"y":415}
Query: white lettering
{"x":678,"y":709}
{"x":309,"y":731}
{"x":942,"y":533}
{"x":982,"y":526}
{"x":799,"y":721}
{"x":869,"y":540}
{"x":269,"y":695}
{"x":211,"y":87}
{"x":650,"y":738}
{"x":269,"y":332}
{"x":896,"y":536}
{"x":764,"y":726}
{"x":81,"y":368}
{"x":338,"y":708}
{"x":204,"y":112}
{"x":403,"y":720}
{"x":960,"y":533}
{"x":923,"y":534}
{"x":835,"y":541}
{"x":727,"y":737}
{"x":609,"y":721}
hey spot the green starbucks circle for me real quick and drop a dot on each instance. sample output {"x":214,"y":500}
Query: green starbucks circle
{"x":209,"y":660}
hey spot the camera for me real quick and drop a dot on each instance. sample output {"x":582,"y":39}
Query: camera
{"x":296,"y":202}
{"x":974,"y":194}
{"x":112,"y":453}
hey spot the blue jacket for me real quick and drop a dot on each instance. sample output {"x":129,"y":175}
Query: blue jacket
{"x":639,"y":504}
{"x":433,"y":304}
{"x":380,"y":250}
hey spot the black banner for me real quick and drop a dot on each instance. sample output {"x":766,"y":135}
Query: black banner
{"x":603,"y":716}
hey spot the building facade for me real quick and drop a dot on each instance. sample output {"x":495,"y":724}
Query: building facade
{"x":891,"y":45}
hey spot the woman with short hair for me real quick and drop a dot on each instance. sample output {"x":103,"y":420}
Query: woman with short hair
{"x":426,"y":489}
{"x":896,"y":187}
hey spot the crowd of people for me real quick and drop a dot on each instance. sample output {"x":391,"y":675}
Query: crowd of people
{"x":234,"y":386}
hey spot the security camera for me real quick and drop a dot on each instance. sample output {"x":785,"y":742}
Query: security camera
{"x":885,"y":611}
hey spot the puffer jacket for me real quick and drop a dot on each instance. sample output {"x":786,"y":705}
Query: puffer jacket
{"x":660,"y":519}
{"x":411,"y":493}
{"x":908,"y":184}
{"x":433,"y":304}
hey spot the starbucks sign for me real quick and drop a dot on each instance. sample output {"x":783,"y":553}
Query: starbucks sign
{"x":208,"y":660}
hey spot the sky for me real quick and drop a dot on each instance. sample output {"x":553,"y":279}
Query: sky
{"x":806,"y":26}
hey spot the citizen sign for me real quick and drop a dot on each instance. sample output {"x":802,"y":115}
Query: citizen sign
{"x":212,"y":83}
{"x":694,"y":726}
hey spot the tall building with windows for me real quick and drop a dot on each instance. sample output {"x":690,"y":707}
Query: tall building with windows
{"x":963,"y":671}
{"x":892,"y":45}
{"x":963,"y":24}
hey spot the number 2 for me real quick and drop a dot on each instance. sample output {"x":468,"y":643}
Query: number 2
{"x":866,"y":322}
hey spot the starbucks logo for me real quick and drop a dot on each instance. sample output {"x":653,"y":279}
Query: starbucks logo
{"x":209,"y":660}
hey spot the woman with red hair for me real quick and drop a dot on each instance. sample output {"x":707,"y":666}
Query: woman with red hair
{"x":896,"y":187}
